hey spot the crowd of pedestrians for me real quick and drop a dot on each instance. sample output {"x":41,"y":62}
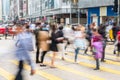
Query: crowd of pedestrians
{"x":57,"y":37}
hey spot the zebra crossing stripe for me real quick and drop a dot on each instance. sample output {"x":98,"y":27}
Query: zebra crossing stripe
{"x":39,"y":72}
{"x":6,"y":74}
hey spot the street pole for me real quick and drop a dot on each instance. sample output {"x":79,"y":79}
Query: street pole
{"x":78,"y":16}
{"x":118,"y":12}
{"x":71,"y":12}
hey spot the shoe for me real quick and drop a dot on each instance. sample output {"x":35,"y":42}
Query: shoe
{"x":42,"y":65}
{"x":103,"y":61}
{"x":38,"y":62}
{"x":114,"y":52}
{"x":96,"y":69}
{"x":33,"y":72}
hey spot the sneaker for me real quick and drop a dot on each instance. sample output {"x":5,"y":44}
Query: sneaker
{"x":42,"y":65}
{"x":114,"y":52}
{"x":96,"y":69}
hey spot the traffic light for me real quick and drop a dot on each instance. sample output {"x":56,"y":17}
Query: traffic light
{"x":115,"y":8}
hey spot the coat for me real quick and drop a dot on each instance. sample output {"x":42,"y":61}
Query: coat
{"x":43,"y":38}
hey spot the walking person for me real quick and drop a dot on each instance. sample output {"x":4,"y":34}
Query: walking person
{"x":102,"y":32}
{"x":68,"y":34}
{"x":115,"y":30}
{"x":13,"y":30}
{"x":97,"y":46}
{"x":6,"y":32}
{"x":88,"y":37}
{"x":23,"y":47}
{"x":43,"y":44}
{"x":61,"y":44}
{"x":117,"y":43}
{"x":53,"y":46}
{"x":79,"y":42}
{"x":38,"y":28}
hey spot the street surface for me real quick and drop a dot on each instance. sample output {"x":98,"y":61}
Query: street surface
{"x":65,"y":70}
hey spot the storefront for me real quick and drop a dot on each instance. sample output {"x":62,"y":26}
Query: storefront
{"x":101,"y":15}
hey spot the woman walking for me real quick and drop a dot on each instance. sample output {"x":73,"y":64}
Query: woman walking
{"x":53,"y":46}
{"x":79,"y":42}
{"x":61,"y":44}
{"x":43,"y":35}
{"x":97,"y":46}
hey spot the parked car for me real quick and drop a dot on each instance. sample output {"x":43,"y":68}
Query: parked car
{"x":2,"y":30}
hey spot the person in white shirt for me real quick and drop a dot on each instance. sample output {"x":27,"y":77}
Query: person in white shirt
{"x":79,"y":42}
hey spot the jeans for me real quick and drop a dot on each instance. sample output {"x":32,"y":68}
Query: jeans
{"x":76,"y":53}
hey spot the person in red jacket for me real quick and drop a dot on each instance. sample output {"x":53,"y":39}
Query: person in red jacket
{"x":118,"y":42}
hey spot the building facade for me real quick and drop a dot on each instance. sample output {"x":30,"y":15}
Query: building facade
{"x":99,"y":11}
{"x":18,"y":9}
{"x":0,"y":10}
{"x":64,"y":11}
{"x":5,"y":10}
{"x":34,"y":9}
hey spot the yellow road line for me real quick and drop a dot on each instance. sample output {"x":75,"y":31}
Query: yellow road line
{"x":90,"y":58}
{"x":107,"y":55}
{"x":93,"y":66}
{"x":6,"y":74}
{"x":41,"y":73}
{"x":89,"y":76}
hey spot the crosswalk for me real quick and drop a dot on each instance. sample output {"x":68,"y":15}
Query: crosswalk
{"x":68,"y":70}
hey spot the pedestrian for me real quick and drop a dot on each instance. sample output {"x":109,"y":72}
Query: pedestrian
{"x":38,"y":28}
{"x":97,"y":47}
{"x":53,"y":46}
{"x":23,"y":47}
{"x":117,"y":43}
{"x":115,"y":30}
{"x":102,"y":32}
{"x":61,"y":44}
{"x":79,"y":42}
{"x":68,"y":34}
{"x":13,"y":30}
{"x":6,"y":31}
{"x":43,"y":37}
{"x":88,"y":37}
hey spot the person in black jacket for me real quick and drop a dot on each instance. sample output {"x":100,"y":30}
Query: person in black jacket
{"x":102,"y":31}
{"x":60,"y":44}
{"x":89,"y":36}
{"x":53,"y":46}
{"x":115,"y":30}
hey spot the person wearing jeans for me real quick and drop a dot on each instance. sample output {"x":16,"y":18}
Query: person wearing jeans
{"x":79,"y":42}
{"x":76,"y":53}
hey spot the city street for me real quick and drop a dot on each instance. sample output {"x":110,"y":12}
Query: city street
{"x":65,"y":70}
